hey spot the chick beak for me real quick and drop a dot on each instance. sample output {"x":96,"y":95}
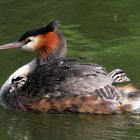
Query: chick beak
{"x":128,"y":80}
{"x":11,"y":45}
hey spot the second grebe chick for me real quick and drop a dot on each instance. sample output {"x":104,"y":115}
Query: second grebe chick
{"x":118,"y":76}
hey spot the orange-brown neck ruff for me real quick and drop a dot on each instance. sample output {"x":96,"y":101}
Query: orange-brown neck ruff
{"x":48,"y":46}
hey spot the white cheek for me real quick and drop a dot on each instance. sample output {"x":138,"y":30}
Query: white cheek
{"x":29,"y":47}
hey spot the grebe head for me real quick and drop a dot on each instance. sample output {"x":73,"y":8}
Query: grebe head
{"x":47,"y":41}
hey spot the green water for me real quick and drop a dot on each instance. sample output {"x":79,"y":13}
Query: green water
{"x":104,"y":32}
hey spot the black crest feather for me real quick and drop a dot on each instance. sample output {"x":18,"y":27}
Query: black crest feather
{"x":46,"y":28}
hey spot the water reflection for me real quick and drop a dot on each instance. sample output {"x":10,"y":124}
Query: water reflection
{"x":78,"y":42}
{"x":30,"y":126}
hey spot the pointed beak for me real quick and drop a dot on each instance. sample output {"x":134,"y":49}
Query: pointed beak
{"x":11,"y":45}
{"x":128,"y":80}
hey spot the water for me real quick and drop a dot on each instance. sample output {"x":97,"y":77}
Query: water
{"x":97,"y":31}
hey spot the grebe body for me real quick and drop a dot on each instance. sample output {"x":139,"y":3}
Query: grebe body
{"x":50,"y":83}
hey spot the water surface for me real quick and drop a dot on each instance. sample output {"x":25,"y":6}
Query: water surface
{"x":103,"y":32}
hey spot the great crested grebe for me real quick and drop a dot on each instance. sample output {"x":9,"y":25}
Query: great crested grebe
{"x":50,"y":83}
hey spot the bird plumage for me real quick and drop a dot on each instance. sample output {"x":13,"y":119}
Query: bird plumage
{"x":57,"y":85}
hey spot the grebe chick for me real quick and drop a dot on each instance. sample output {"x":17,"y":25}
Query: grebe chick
{"x":18,"y":82}
{"x":59,"y":85}
{"x":118,"y":76}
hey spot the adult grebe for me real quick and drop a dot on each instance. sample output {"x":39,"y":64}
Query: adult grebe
{"x":50,"y":83}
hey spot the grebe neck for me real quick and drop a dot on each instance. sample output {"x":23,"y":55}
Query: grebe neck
{"x":52,"y":51}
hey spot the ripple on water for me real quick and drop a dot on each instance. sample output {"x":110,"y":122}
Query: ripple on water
{"x":35,"y":126}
